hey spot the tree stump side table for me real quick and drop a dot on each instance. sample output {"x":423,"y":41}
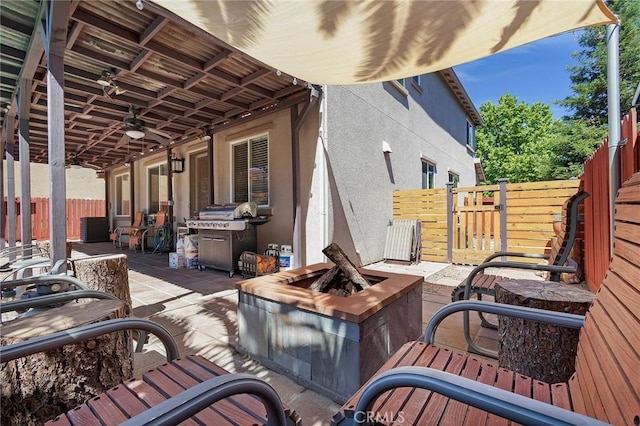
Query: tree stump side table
{"x":38,"y":387}
{"x":542,"y":351}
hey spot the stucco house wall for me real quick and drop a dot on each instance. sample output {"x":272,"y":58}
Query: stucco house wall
{"x":430,"y":123}
{"x":346,"y":181}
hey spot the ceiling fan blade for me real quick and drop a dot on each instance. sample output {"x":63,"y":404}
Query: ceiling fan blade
{"x":124,"y":139}
{"x":159,"y":133}
{"x":159,"y":138}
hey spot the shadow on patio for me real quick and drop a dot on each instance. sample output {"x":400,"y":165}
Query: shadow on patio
{"x":199,"y":310}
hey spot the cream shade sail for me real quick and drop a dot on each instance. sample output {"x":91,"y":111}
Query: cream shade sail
{"x":350,"y":42}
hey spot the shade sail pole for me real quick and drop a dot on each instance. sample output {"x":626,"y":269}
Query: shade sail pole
{"x":613,"y":95}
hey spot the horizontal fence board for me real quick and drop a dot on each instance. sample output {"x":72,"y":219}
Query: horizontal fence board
{"x":519,"y":226}
{"x":530,"y":218}
{"x":525,"y":202}
{"x":490,"y":208}
{"x":553,"y":184}
{"x":541,"y":210}
{"x":477,"y":188}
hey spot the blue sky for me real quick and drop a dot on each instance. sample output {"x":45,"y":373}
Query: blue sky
{"x":533,"y":72}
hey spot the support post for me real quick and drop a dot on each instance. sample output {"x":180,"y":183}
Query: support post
{"x":24,"y":101}
{"x":3,"y":212}
{"x":11,"y":181}
{"x":613,"y":96}
{"x":449,"y":222}
{"x":503,"y":215}
{"x":57,"y":19}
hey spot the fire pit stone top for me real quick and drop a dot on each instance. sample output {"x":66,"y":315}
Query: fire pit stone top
{"x":290,"y":287}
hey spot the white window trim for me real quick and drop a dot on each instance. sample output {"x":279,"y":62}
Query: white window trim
{"x":424,"y":158}
{"x":470,"y":148}
{"x":403,"y":90}
{"x":423,"y":161}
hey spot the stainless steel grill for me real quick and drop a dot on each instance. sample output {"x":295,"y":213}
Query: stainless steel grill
{"x":224,"y":232}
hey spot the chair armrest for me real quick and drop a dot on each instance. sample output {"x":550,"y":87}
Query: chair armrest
{"x":79,"y":334}
{"x":44,"y":279}
{"x":511,"y":406}
{"x":54,"y":299}
{"x":517,"y":265}
{"x":515,"y":254}
{"x":195,"y":399}
{"x":549,"y":317}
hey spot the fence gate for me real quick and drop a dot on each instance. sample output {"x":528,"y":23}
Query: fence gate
{"x":476,"y":223}
{"x":461,"y":225}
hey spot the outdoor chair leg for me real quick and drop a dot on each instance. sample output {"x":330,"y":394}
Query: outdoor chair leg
{"x":472,"y":347}
{"x":484,"y":322}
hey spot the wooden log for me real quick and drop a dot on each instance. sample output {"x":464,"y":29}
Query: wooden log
{"x":41,"y":386}
{"x":544,"y":352}
{"x":324,"y":283}
{"x":337,"y":256}
{"x":109,"y":274}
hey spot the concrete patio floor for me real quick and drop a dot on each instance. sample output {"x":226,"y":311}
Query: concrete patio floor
{"x":199,"y":310}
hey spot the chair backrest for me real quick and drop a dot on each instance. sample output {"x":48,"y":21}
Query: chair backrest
{"x":161,"y":219}
{"x":138,"y":219}
{"x":606,"y":384}
{"x":561,"y":248}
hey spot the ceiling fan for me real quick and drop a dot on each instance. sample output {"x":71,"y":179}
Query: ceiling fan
{"x":106,"y":81}
{"x":136,"y":129}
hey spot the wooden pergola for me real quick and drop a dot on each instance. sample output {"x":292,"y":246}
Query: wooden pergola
{"x":73,"y":72}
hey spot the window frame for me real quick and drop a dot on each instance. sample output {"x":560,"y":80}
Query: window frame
{"x":456,"y":178}
{"x":416,"y":82}
{"x":232,"y":178}
{"x":196,"y":204}
{"x":471,"y":136}
{"x":431,"y":171}
{"x":150,"y":207}
{"x":118,"y":190}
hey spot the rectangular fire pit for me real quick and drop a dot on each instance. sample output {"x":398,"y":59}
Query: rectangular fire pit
{"x":331,"y":344}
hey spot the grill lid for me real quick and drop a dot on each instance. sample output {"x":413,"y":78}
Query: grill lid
{"x":229,"y":211}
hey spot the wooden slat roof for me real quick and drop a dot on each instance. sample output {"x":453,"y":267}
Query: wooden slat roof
{"x":182,"y":80}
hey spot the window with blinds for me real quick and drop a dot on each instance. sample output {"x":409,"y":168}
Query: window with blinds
{"x":251,"y":171}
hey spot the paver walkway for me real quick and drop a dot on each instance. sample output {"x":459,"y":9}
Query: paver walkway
{"x":199,"y":310}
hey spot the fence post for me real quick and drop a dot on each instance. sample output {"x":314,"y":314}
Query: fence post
{"x":503,"y":215}
{"x":449,"y":222}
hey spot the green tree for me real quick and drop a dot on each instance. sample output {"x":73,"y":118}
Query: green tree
{"x":569,"y":144}
{"x":512,"y":141}
{"x":589,"y":78}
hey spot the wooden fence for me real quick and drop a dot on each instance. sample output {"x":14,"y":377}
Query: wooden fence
{"x":76,"y":208}
{"x":528,"y":210}
{"x":596,"y":208}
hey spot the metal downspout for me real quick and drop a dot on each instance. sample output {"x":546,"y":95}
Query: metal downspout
{"x":298,"y":120}
{"x":613,"y":95}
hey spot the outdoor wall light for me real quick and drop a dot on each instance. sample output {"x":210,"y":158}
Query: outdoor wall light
{"x":177,"y":164}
